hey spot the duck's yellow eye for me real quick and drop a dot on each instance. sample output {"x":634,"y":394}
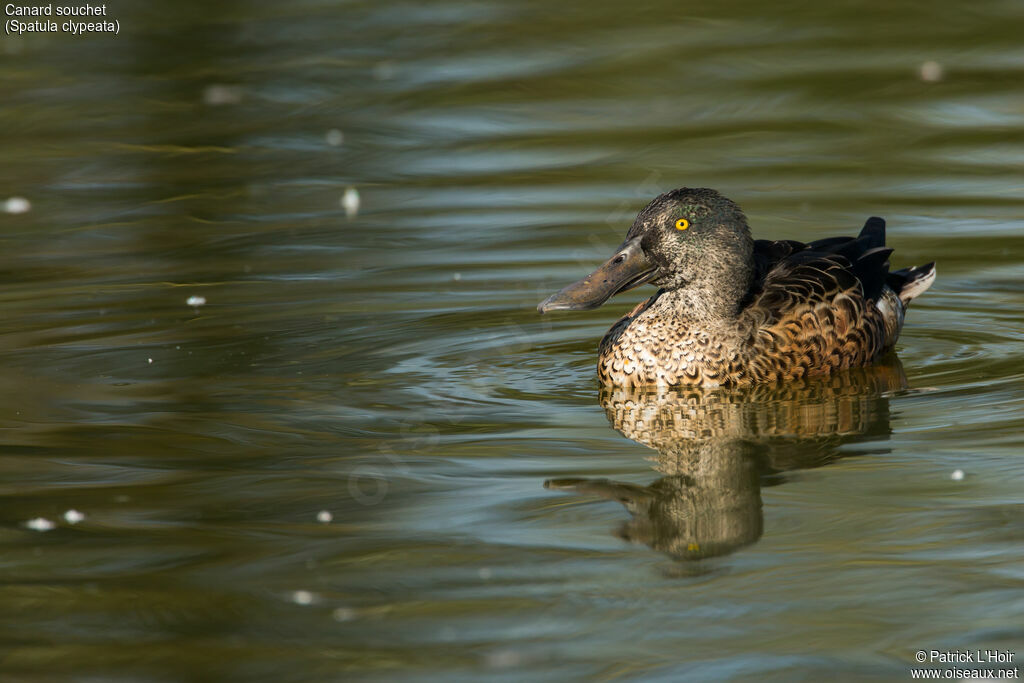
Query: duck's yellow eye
{"x":682,"y":224}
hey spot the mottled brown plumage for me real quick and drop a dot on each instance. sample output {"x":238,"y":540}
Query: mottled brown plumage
{"x":734,"y":311}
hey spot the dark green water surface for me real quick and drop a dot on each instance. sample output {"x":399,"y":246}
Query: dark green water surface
{"x":491,"y":513}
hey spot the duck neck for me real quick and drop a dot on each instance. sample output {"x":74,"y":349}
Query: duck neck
{"x":706,"y":303}
{"x":709,"y":283}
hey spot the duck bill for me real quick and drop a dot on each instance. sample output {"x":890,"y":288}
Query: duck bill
{"x":626,"y":269}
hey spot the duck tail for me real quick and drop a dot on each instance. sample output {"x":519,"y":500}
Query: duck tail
{"x":910,"y":283}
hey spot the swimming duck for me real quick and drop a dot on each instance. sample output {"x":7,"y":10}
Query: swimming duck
{"x":731,"y":310}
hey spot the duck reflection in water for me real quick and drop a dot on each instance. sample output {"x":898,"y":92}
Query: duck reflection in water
{"x":716,"y":447}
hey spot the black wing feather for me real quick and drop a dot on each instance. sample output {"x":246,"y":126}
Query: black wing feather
{"x":827,"y":263}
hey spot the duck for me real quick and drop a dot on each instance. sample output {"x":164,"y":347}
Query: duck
{"x":732,"y":310}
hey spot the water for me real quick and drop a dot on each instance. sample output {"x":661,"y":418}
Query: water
{"x":493,"y":514}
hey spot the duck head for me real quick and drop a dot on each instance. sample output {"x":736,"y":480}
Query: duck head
{"x":694,"y":241}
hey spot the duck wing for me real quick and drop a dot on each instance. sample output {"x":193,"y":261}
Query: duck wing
{"x":821,"y":306}
{"x":818,"y":267}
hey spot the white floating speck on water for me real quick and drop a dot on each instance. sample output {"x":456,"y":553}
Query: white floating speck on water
{"x":303,"y":598}
{"x":344,"y":614}
{"x":17,"y":205}
{"x":40,"y":524}
{"x":503,"y":659}
{"x":196,"y":301}
{"x":957,"y":475}
{"x":335,"y":137}
{"x":931,"y":72}
{"x":324,"y":516}
{"x":73,"y":516}
{"x":350,"y":201}
{"x":457,"y":276}
{"x":485,"y":573}
{"x":384,"y":71}
{"x":149,"y":360}
{"x":219,"y":94}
